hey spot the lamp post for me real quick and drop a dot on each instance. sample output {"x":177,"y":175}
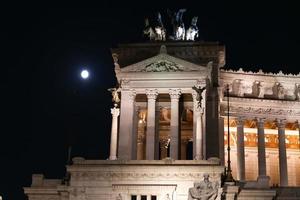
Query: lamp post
{"x":228,"y":177}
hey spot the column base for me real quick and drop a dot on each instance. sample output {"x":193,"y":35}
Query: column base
{"x":197,"y":157}
{"x":113,"y":158}
{"x":262,"y":182}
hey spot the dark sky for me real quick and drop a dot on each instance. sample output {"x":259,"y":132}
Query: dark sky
{"x":45,"y":105}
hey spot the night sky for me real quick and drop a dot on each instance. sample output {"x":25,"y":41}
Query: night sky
{"x":45,"y":106}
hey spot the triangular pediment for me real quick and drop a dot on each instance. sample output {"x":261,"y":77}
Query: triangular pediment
{"x":163,"y":63}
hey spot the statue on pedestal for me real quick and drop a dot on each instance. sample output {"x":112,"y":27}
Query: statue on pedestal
{"x":115,"y":95}
{"x":199,"y":91}
{"x":204,"y":190}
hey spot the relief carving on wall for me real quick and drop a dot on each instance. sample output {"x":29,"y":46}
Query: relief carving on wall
{"x":205,"y":189}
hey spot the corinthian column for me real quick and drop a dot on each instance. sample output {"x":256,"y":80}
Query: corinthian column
{"x":150,"y":135}
{"x":262,"y":170}
{"x":174,"y":143}
{"x":197,"y":129}
{"x":240,"y":149}
{"x":282,"y":154}
{"x":114,"y":134}
{"x":126,"y":124}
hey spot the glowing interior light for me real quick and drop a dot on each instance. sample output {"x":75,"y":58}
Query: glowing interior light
{"x":84,"y":74}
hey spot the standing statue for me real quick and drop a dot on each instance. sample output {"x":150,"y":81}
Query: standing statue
{"x":115,"y":95}
{"x":148,"y":30}
{"x":199,"y":91}
{"x":160,"y":30}
{"x":178,"y":24}
{"x":192,"y":31}
{"x":204,"y":190}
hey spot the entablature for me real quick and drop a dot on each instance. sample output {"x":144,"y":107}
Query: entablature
{"x":261,"y":108}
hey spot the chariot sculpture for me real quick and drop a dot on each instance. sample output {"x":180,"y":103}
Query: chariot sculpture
{"x":158,"y":32}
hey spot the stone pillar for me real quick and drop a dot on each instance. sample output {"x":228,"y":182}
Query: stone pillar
{"x":114,"y":134}
{"x":174,"y":143}
{"x":198,"y":130}
{"x":126,"y":124}
{"x":138,"y":197}
{"x":183,"y":148}
{"x":262,"y":170}
{"x":240,"y":149}
{"x":150,"y":135}
{"x":282,"y":154}
{"x":135,"y":132}
{"x":156,"y":149}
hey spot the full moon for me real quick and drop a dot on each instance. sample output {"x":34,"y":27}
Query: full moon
{"x":84,"y":74}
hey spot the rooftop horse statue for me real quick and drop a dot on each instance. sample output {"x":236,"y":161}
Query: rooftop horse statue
{"x":178,"y":25}
{"x":148,"y":30}
{"x":192,"y":31}
{"x":160,"y":29}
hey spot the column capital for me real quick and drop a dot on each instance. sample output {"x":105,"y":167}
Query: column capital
{"x":174,"y":94}
{"x":115,"y":112}
{"x":281,"y":123}
{"x":260,"y":122}
{"x":240,"y":120}
{"x":151,"y":94}
{"x":128,"y":94}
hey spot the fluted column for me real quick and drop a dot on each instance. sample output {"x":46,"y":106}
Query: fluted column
{"x":282,"y":153}
{"x":261,"y":149}
{"x":126,"y":124}
{"x":150,"y":135}
{"x":240,"y":149}
{"x":114,"y":134}
{"x":174,"y":143}
{"x":197,"y":129}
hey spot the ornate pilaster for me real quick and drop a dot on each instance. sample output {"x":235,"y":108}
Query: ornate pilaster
{"x":261,"y":149}
{"x":282,"y":153}
{"x":126,"y":124}
{"x":114,"y":134}
{"x":174,"y":148}
{"x":240,"y":149}
{"x":150,"y":136}
{"x":197,"y":129}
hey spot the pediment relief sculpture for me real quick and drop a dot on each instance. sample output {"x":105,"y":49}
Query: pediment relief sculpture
{"x":162,"y":66}
{"x":165,"y":63}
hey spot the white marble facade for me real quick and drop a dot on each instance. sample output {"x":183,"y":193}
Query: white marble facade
{"x":160,"y":84}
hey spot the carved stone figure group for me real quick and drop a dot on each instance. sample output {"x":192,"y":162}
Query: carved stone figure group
{"x":204,"y":190}
{"x":158,"y":31}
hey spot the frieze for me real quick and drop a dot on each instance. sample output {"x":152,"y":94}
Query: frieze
{"x":248,"y":110}
{"x":96,"y":176}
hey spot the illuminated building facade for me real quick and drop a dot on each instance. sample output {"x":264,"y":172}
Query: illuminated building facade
{"x":172,"y":128}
